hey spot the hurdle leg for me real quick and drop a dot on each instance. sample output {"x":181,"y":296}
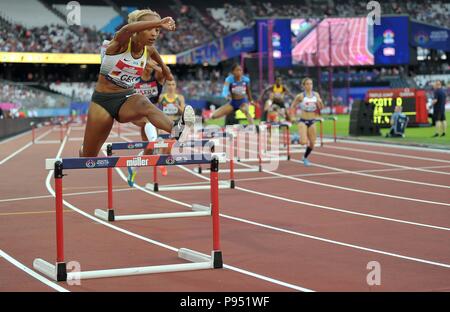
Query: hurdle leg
{"x":33,"y":132}
{"x":61,"y":269}
{"x":258,"y":133}
{"x":334,"y":129}
{"x":110,"y":196}
{"x":288,"y":143}
{"x":232,"y":182}
{"x":155,"y":179}
{"x":237,"y":144}
{"x":61,"y":132}
{"x":321,"y":133}
{"x":214,"y":178}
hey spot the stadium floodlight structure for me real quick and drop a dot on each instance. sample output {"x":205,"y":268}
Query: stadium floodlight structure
{"x":265,"y":59}
{"x":329,"y":45}
{"x":333,"y":50}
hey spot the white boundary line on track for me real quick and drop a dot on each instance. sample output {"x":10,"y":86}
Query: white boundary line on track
{"x":353,"y":189}
{"x":32,"y":273}
{"x":331,"y":208}
{"x":381,"y":163}
{"x":407,"y":147}
{"x":15,"y":137}
{"x":358,"y":190}
{"x":68,"y":194}
{"x":297,"y":202}
{"x":387,"y":154}
{"x":119,"y":229}
{"x":316,"y":237}
{"x":202,"y":183}
{"x":374,"y":176}
{"x":23,"y":148}
{"x":335,"y":173}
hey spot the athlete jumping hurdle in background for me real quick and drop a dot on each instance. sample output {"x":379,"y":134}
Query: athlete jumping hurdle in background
{"x":237,"y":90}
{"x":276,"y":102}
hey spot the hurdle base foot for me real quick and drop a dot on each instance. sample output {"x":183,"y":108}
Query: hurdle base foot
{"x":105,"y":215}
{"x":232,"y":184}
{"x":61,"y":272}
{"x":217,"y":259}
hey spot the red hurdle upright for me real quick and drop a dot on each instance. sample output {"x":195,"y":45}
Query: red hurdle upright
{"x":198,"y":261}
{"x":61,"y":271}
{"x":214,"y":178}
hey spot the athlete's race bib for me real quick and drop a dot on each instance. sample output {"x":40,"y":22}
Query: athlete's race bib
{"x":309,"y":106}
{"x":170,"y":109}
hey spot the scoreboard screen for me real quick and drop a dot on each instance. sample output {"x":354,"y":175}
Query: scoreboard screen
{"x":385,"y":101}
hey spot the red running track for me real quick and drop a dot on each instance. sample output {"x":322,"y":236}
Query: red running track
{"x":293,"y":229}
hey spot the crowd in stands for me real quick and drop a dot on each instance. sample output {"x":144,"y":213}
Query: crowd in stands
{"x":189,"y":34}
{"x":24,"y":96}
{"x":76,"y":91}
{"x":194,"y":29}
{"x":51,"y":38}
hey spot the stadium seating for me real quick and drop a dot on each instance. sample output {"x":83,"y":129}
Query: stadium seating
{"x":92,"y":16}
{"x":30,"y":13}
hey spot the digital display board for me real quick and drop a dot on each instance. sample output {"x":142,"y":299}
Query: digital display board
{"x":385,"y":101}
{"x":332,"y":42}
{"x":281,"y":41}
{"x":391,"y":41}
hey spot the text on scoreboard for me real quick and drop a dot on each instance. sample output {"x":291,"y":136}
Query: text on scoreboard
{"x":385,"y":101}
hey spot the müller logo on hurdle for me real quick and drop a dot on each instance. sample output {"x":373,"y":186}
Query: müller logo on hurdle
{"x":137,"y":162}
{"x":197,"y":260}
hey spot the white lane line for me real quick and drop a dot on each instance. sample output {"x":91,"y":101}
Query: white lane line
{"x":15,"y":137}
{"x":380,"y":163}
{"x":335,"y":173}
{"x":358,"y":190}
{"x":320,"y":238}
{"x":194,"y":183}
{"x":388,"y":154}
{"x":22,"y":148}
{"x":308,"y":204}
{"x":68,"y":194}
{"x":119,"y":229}
{"x":331,"y":208}
{"x":397,"y":146}
{"x":154,"y":242}
{"x":353,"y":189}
{"x":32,"y":273}
{"x":375,"y":176}
{"x":439,"y":264}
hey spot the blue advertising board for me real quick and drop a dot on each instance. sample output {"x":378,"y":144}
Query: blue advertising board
{"x":429,"y":37}
{"x":221,"y":49}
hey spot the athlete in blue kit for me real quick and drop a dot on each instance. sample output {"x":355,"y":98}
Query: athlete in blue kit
{"x":237,"y":89}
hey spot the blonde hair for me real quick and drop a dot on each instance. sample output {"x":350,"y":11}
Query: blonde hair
{"x":137,"y":15}
{"x":305,"y":80}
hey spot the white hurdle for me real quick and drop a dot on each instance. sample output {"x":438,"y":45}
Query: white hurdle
{"x":197,"y":261}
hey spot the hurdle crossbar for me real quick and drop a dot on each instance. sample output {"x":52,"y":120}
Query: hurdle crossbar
{"x":171,"y":143}
{"x":59,"y":272}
